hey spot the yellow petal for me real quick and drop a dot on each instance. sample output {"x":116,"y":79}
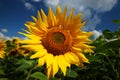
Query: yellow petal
{"x":55,"y":67}
{"x":58,"y":11}
{"x":28,"y":27}
{"x":51,"y":18}
{"x":82,"y":39}
{"x":39,"y":54}
{"x":88,"y":34}
{"x":63,"y":64}
{"x":44,"y":17}
{"x":35,"y":20}
{"x":71,"y":58}
{"x":77,"y":18}
{"x":71,"y":13}
{"x":82,"y":57}
{"x":49,"y":72}
{"x":43,"y":26}
{"x":34,"y":47}
{"x":63,"y":17}
{"x":34,"y":29}
{"x":83,"y":23}
{"x":49,"y":60}
{"x":30,"y":23}
{"x":39,"y":17}
{"x":89,"y":50}
{"x":41,"y":61}
{"x":75,"y":21}
{"x":30,"y":41}
{"x":31,"y":36}
{"x":28,"y":32}
{"x":39,"y":24}
{"x":76,"y":49}
{"x":70,"y":18}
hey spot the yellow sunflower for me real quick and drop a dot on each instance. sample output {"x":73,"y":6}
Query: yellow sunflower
{"x":2,"y":47}
{"x":17,"y":49}
{"x":58,"y":40}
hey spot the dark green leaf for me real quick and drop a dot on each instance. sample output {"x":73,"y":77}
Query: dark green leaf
{"x":108,"y":34}
{"x":3,"y":78}
{"x":113,"y":44}
{"x":93,"y":58}
{"x":21,"y":61}
{"x":25,"y":65}
{"x":55,"y":79}
{"x":39,"y":75}
{"x":71,"y":73}
{"x":1,"y":72}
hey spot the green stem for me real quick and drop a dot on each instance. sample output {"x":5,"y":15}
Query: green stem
{"x":28,"y":76}
{"x":119,"y":52}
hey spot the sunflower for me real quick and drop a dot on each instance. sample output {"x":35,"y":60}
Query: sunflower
{"x":2,"y":47}
{"x":58,"y":40}
{"x":17,"y":49}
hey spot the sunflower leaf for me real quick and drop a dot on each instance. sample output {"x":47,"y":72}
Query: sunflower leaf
{"x":25,"y":65}
{"x":108,"y":34}
{"x":38,"y":75}
{"x":55,"y":78}
{"x":1,"y":72}
{"x":113,"y":44}
{"x":3,"y":78}
{"x":71,"y":73}
{"x":93,"y":58}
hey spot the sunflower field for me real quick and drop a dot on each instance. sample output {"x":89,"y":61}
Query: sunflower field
{"x":68,"y":55}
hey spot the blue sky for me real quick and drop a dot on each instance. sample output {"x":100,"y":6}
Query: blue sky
{"x":100,"y":13}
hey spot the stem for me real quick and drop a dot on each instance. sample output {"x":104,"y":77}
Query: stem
{"x":28,"y":76}
{"x":119,"y":52}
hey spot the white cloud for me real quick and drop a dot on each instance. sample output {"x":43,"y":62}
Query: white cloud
{"x":3,"y":36}
{"x":7,"y":37}
{"x":36,"y":0}
{"x":92,"y":23}
{"x":96,"y":33}
{"x":91,"y":9}
{"x":29,"y":6}
{"x":4,"y":30}
{"x":52,"y":2}
{"x":105,"y":5}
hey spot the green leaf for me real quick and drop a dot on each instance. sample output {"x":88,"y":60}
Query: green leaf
{"x":20,"y":61}
{"x":1,"y":72}
{"x":71,"y":73}
{"x":93,"y":58}
{"x":113,"y":44}
{"x":39,"y":75}
{"x":25,"y":64}
{"x":116,"y":21}
{"x":3,"y":78}
{"x":55,"y":79}
{"x":108,"y":34}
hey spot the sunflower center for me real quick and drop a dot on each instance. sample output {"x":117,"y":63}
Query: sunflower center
{"x":58,"y":37}
{"x":57,"y":41}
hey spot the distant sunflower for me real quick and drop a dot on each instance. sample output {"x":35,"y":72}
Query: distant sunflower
{"x":2,"y":47}
{"x":17,"y":49}
{"x":57,"y":40}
